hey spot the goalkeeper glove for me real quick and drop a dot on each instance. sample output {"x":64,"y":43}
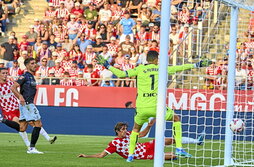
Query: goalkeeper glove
{"x":203,"y":63}
{"x":102,"y":61}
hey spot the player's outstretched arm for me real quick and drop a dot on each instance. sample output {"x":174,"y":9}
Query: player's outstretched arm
{"x":202,"y":63}
{"x":99,"y":155}
{"x":14,"y":89}
{"x":117,"y":72}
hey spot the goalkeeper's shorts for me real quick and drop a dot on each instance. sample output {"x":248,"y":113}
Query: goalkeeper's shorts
{"x":143,"y":114}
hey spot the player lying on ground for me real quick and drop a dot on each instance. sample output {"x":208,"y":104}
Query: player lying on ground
{"x":147,"y":87}
{"x":10,"y":109}
{"x":143,"y":150}
{"x":28,"y":111}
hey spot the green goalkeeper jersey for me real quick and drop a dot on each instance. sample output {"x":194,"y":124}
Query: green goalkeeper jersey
{"x":147,"y":81}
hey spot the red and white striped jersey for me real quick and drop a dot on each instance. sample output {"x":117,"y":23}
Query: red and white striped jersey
{"x":98,"y":68}
{"x":61,"y":54}
{"x":23,"y":45}
{"x":184,"y":17}
{"x":212,"y":71}
{"x":76,"y":55}
{"x":154,"y":36}
{"x":73,"y":72}
{"x":82,"y":27}
{"x":112,"y":49}
{"x":58,"y":71}
{"x":56,"y":3}
{"x":66,"y":64}
{"x":43,"y":70}
{"x":89,"y":57}
{"x":142,"y":37}
{"x":117,"y":14}
{"x":62,"y":13}
{"x":50,"y":13}
{"x":14,"y":71}
{"x":89,"y":32}
{"x":8,"y":101}
{"x":61,"y":34}
{"x":66,"y":82}
{"x":80,"y":82}
{"x":126,"y":66}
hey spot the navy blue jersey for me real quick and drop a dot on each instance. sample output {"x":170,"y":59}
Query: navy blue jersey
{"x":27,"y":87}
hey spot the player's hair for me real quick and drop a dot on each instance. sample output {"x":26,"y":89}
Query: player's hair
{"x":28,"y":60}
{"x":1,"y":69}
{"x":128,"y":104}
{"x":152,"y":55}
{"x":119,"y":126}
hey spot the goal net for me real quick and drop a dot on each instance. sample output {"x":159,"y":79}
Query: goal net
{"x":202,"y":29}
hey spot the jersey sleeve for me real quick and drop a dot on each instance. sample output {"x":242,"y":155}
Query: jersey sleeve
{"x":111,"y":148}
{"x":128,"y":73}
{"x":21,"y":80}
{"x":174,"y":69}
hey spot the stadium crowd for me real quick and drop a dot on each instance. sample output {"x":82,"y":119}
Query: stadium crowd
{"x":66,"y":41}
{"x":217,"y":71}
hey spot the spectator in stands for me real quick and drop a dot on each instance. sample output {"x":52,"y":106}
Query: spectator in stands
{"x":117,"y":13}
{"x":7,"y":49}
{"x":36,"y":25}
{"x":107,"y":83}
{"x":69,"y":5}
{"x":21,"y":60}
{"x":142,"y":56}
{"x":62,"y":12}
{"x":125,"y":26}
{"x":43,"y":33}
{"x":67,"y":44}
{"x":241,"y":76}
{"x":102,"y":31}
{"x":154,"y":46}
{"x":77,"y":11}
{"x":91,"y":14}
{"x":51,"y":62}
{"x":49,"y":14}
{"x":72,"y":27}
{"x":52,"y":43}
{"x":89,"y":55}
{"x":43,"y":68}
{"x":97,"y":46}
{"x":44,"y":52}
{"x":76,"y":54}
{"x":66,"y":63}
{"x":135,"y":5}
{"x":142,"y":38}
{"x":211,"y":79}
{"x":156,"y":13}
{"x":15,"y":71}
{"x":23,"y":44}
{"x":105,"y":15}
{"x":58,"y":70}
{"x":112,"y":46}
{"x":66,"y":81}
{"x":184,"y":15}
{"x":80,"y":81}
{"x":91,"y":76}
{"x":31,"y":35}
{"x":155,"y":33}
{"x":16,"y":54}
{"x":134,"y":56}
{"x":126,"y":45}
{"x":145,"y":15}
{"x":61,"y":53}
{"x":82,"y":42}
{"x":73,"y":71}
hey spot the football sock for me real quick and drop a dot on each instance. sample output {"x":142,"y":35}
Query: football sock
{"x":177,"y":128}
{"x":133,"y":141}
{"x":188,"y":140}
{"x":35,"y":136}
{"x":25,"y":138}
{"x":44,"y":134}
{"x":11,"y":124}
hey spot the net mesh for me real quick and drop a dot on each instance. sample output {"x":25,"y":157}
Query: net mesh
{"x":199,"y":96}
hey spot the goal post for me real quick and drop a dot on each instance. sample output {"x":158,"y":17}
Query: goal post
{"x":210,"y":109}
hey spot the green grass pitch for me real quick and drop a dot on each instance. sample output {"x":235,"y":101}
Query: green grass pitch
{"x":64,"y":153}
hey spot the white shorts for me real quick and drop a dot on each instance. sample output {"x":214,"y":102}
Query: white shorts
{"x":29,"y":112}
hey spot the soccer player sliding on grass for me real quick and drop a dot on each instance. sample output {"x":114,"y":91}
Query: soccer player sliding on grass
{"x":147,"y":87}
{"x":145,"y":150}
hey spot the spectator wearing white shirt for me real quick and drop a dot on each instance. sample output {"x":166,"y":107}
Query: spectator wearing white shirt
{"x":72,"y":27}
{"x":105,"y":14}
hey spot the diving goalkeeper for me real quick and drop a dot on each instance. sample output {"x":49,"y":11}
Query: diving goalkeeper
{"x":147,"y":87}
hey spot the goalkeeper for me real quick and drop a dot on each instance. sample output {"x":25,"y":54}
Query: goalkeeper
{"x":147,"y":87}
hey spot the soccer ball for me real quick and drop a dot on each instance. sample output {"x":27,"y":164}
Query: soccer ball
{"x":237,"y":125}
